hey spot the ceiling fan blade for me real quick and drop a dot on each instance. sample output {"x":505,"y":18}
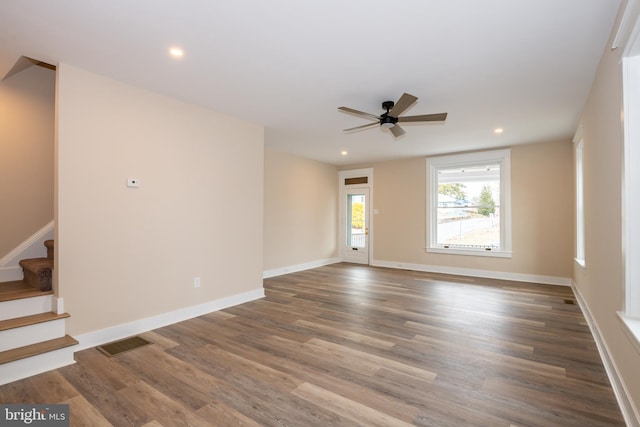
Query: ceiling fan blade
{"x":397,"y":131}
{"x":403,"y":103}
{"x":359,"y":113}
{"x":368,"y":125}
{"x":440,"y":117}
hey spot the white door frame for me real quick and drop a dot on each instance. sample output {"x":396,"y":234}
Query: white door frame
{"x":342,"y":217}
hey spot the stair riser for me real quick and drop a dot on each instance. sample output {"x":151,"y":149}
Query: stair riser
{"x":31,"y":334}
{"x":42,"y":282}
{"x":35,"y":365}
{"x":26,"y":307}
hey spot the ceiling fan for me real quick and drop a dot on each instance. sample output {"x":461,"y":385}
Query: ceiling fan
{"x":391,"y":118}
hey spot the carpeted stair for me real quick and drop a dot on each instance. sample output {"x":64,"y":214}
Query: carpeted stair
{"x":38,"y":271}
{"x":49,"y":246}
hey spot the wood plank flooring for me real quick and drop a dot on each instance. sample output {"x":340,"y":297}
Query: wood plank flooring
{"x":351,"y":345}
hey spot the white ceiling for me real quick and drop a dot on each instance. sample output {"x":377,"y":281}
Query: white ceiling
{"x":525,"y":65}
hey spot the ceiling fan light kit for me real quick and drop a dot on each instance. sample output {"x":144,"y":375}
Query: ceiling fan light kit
{"x":391,"y":117}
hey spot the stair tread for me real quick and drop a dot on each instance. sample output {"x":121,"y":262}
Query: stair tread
{"x":36,"y":349}
{"x":19,"y":322}
{"x":48,"y":243}
{"x":19,"y":289}
{"x":35,"y":264}
{"x":13,"y":285}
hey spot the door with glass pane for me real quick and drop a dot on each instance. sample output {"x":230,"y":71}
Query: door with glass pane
{"x":356,"y":227}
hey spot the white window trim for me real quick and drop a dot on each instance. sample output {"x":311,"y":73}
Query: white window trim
{"x":631,"y":185}
{"x":457,"y":160}
{"x":628,"y":41}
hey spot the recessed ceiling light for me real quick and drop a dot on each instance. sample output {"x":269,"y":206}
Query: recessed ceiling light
{"x":344,"y":152}
{"x":176,"y":52}
{"x":498,"y":130}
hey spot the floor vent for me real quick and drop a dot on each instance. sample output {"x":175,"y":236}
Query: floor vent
{"x":569,"y":301}
{"x":118,"y":347}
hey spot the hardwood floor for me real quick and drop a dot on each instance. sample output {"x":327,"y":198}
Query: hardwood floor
{"x":352,"y":345}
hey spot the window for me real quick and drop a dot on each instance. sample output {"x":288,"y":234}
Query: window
{"x":580,"y":252}
{"x":631,"y":175}
{"x":469,"y":204}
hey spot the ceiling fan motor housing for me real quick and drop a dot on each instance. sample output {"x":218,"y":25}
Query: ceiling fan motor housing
{"x":388,"y":121}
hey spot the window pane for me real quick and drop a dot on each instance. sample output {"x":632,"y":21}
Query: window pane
{"x":355,"y":220}
{"x":468,"y":211}
{"x":579,"y":204}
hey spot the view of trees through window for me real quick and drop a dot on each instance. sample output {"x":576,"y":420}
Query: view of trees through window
{"x":357,"y":215}
{"x":468,"y":211}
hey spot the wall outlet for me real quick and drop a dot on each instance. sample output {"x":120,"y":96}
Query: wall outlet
{"x":196,"y":282}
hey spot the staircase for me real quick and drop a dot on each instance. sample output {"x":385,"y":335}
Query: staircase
{"x":32,"y":334}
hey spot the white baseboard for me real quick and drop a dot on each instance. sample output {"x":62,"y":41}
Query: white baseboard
{"x":458,"y":271}
{"x":299,"y":267}
{"x":629,"y":411}
{"x":58,"y":305}
{"x":103,"y":336}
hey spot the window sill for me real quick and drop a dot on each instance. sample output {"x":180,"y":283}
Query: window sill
{"x":631,"y":329}
{"x":470,"y":252}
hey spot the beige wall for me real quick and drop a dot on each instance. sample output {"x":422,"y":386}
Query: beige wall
{"x":601,"y":283}
{"x":126,"y":254}
{"x":300,"y":211}
{"x":27,"y":102}
{"x":542,"y":211}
